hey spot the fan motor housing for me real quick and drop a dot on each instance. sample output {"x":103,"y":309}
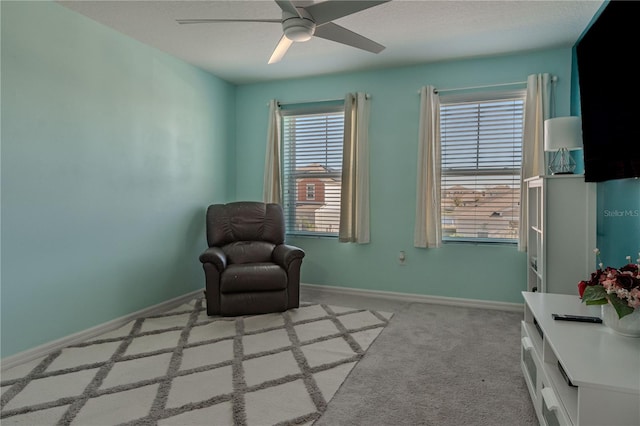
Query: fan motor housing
{"x":297,"y":28}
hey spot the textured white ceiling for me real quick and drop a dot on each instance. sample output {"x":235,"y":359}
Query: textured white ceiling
{"x":413,"y":32}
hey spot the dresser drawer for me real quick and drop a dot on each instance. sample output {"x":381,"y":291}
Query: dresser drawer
{"x":553,"y":413}
{"x":530,"y":362}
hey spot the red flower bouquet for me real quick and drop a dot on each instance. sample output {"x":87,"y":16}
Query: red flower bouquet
{"x":620,"y":287}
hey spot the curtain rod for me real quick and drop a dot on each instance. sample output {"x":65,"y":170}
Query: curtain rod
{"x":315,"y":101}
{"x":310,"y":101}
{"x":515,"y":83}
{"x":554,"y":79}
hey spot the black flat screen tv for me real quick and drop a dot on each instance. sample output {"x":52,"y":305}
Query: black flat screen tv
{"x":609,"y":81}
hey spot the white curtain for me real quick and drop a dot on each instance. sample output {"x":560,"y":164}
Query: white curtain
{"x":427,"y":232}
{"x":537,"y":109}
{"x":272,"y":191}
{"x":354,"y":197}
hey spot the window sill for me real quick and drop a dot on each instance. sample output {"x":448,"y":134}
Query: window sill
{"x":483,"y":242}
{"x":313,"y":235}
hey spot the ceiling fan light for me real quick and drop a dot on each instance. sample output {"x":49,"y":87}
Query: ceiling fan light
{"x":296,"y":28}
{"x":298,"y":33}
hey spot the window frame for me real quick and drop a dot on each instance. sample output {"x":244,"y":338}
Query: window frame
{"x":290,"y":198}
{"x":478,"y":98}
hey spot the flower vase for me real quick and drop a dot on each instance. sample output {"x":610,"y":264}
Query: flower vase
{"x":628,"y":325}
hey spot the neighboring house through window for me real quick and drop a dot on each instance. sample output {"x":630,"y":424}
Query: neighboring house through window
{"x":312,"y":158}
{"x":481,"y":157}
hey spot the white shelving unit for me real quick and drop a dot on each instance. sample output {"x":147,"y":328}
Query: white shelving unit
{"x":561,"y":231}
{"x":602,"y":383}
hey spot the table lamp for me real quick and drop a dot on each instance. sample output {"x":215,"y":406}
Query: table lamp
{"x":561,"y":135}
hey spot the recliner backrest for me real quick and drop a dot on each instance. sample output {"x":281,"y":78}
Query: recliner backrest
{"x":244,"y":221}
{"x":248,"y":252}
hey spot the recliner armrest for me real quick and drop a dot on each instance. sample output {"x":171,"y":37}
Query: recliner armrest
{"x":216,"y":256}
{"x":284,"y":254}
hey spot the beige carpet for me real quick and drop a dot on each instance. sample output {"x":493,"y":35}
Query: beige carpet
{"x":185,"y":368}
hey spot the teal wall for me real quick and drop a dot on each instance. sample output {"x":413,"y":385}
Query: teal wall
{"x":485,"y":272}
{"x":619,"y":221}
{"x":111,"y":151}
{"x":618,"y":202}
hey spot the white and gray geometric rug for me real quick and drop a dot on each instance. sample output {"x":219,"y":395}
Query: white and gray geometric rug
{"x":185,"y":368}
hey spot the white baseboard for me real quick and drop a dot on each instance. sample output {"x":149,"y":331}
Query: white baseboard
{"x":45,"y":349}
{"x":420,"y":298}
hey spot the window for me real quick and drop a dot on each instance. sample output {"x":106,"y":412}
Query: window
{"x":312,"y":151}
{"x":481,"y":157}
{"x":311,"y":192}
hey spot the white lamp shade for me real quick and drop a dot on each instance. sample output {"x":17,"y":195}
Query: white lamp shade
{"x":563,"y":132}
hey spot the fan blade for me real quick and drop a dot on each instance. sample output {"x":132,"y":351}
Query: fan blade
{"x":210,"y":21}
{"x":342,"y":35}
{"x":329,"y":10}
{"x":280,"y":50}
{"x":287,"y":6}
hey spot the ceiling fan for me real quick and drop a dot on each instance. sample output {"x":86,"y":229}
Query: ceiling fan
{"x":301,"y":23}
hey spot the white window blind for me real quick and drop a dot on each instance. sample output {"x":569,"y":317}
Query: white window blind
{"x":312,"y":150}
{"x":481,"y":154}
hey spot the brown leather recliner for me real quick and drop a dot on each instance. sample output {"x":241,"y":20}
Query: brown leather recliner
{"x":248,"y":268}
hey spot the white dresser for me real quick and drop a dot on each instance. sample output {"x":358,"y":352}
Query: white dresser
{"x":602,"y":369}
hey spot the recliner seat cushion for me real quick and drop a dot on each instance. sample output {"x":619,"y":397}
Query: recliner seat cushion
{"x":255,"y":277}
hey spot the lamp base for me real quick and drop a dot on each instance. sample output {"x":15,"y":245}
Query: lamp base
{"x":562,"y":163}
